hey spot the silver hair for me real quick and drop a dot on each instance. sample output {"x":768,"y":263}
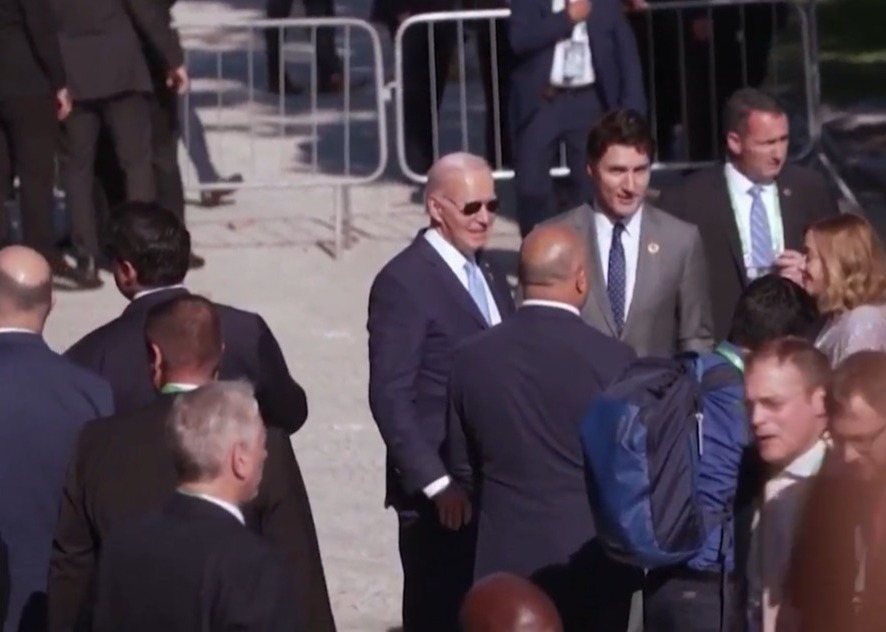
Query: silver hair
{"x":454,"y":164}
{"x":205,"y":424}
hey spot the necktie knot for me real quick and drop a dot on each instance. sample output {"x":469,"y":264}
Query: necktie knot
{"x":755,"y":191}
{"x":617,"y":229}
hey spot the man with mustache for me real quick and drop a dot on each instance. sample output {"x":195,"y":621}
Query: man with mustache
{"x":648,"y":285}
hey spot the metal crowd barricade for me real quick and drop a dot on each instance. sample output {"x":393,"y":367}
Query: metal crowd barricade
{"x":792,"y":74}
{"x":278,"y":140}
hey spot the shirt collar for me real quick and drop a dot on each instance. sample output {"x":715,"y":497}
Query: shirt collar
{"x":604,"y":222}
{"x":138,"y":295}
{"x":232,"y":509}
{"x":807,"y":464}
{"x":555,"y":304}
{"x":178,"y":387}
{"x":17,"y":330}
{"x":739,"y":183}
{"x":451,"y":255}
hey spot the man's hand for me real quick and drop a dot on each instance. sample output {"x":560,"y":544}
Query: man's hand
{"x":63,"y":102}
{"x":791,"y":265}
{"x":579,"y":10}
{"x":453,"y":507}
{"x":177,"y":80}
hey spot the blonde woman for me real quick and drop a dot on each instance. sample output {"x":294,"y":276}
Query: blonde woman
{"x":846,"y":273}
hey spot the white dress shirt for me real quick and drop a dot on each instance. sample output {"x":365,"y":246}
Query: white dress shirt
{"x":573,"y":66}
{"x":739,"y":185}
{"x":17,"y":330}
{"x":772,"y":538}
{"x":232,"y":509}
{"x":556,"y":304}
{"x":630,"y":241}
{"x":153,"y":290}
{"x":456,"y":262}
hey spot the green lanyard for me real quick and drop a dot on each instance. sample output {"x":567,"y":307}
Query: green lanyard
{"x":733,"y":358}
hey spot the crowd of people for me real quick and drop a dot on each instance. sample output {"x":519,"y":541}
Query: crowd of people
{"x":492,"y":407}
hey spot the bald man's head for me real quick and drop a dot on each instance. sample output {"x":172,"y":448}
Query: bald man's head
{"x":25,"y":288}
{"x":507,"y":603}
{"x":185,"y":340}
{"x":460,"y":201}
{"x":552,"y":265}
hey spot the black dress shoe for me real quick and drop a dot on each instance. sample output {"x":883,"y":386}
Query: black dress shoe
{"x":196,"y":261}
{"x":214,"y":197}
{"x":84,"y":275}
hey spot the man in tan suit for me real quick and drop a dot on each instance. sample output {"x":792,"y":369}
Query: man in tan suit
{"x":647,"y":270}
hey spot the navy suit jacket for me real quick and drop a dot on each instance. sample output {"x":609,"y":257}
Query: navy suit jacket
{"x":534,"y":30}
{"x":517,"y":396}
{"x":117,"y":351}
{"x":45,"y":400}
{"x":418,"y":313}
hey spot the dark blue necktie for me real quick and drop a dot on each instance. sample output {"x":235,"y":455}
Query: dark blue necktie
{"x":617,"y":277}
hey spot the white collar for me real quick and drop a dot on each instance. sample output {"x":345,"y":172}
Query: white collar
{"x":630,"y":223}
{"x":555,"y":304}
{"x":138,"y":295}
{"x":451,"y":255}
{"x":17,"y":330}
{"x":739,"y":182}
{"x":232,"y":509}
{"x":180,"y":386}
{"x":807,"y":464}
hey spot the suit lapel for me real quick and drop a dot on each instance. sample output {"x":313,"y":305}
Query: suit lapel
{"x":449,"y":281}
{"x":498,"y":286}
{"x":648,"y":264}
{"x":598,"y":284}
{"x":723,"y":206}
{"x":791,"y":217}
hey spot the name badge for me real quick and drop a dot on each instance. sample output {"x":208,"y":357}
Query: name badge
{"x":575,"y":60}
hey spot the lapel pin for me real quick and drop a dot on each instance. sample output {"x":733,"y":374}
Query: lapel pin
{"x":652,"y":248}
{"x":786,"y":192}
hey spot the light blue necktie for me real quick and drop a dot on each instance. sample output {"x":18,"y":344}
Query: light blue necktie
{"x":762,"y":252}
{"x":477,"y":289}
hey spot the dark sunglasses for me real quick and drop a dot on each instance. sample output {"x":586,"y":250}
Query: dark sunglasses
{"x":472,"y":208}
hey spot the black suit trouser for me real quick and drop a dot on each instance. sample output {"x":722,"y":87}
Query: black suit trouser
{"x":28,"y":143}
{"x":325,"y":55}
{"x":438,"y":569}
{"x":124,"y":117}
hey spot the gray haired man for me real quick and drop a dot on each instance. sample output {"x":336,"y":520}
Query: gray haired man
{"x":194,"y":564}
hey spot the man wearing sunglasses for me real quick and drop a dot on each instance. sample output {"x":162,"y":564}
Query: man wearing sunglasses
{"x":429,"y":298}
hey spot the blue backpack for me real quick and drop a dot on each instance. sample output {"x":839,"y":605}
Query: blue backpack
{"x":643,"y":439}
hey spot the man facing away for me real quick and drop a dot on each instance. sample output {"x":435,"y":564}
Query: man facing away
{"x":45,"y":400}
{"x":193,"y":565}
{"x":751,"y":211}
{"x":122,"y":469}
{"x":429,"y":298}
{"x":690,"y":597}
{"x":785,"y":382}
{"x":648,"y":285}
{"x":517,"y":395}
{"x":150,"y":249}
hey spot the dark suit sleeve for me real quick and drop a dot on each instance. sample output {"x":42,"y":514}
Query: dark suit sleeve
{"x":153,"y":22}
{"x":284,"y":520}
{"x":43,"y":35}
{"x":695,"y":324}
{"x":267,"y":595}
{"x":529,"y":30}
{"x":397,"y":332}
{"x":74,"y":550}
{"x":456,"y":444}
{"x":633,"y":94}
{"x":283,"y":401}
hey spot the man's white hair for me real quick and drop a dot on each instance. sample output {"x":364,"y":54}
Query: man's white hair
{"x":452,"y":165}
{"x":206,"y":423}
